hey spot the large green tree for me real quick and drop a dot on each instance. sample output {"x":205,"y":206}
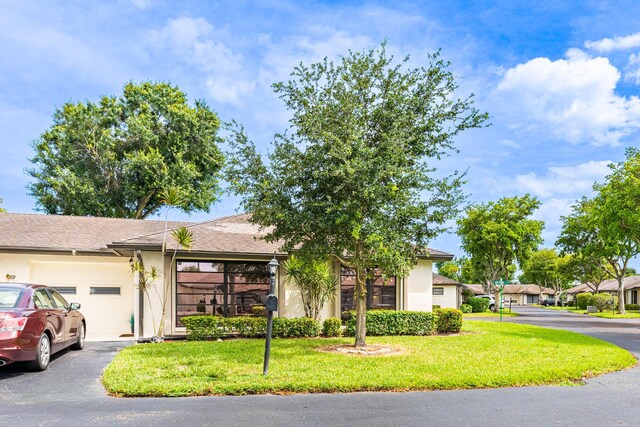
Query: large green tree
{"x":114,"y":157}
{"x":498,"y":234}
{"x":460,"y":269}
{"x":591,"y":231}
{"x":355,"y":177}
{"x":548,"y":270}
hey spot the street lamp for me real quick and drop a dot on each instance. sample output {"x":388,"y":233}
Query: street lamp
{"x":271,"y":306}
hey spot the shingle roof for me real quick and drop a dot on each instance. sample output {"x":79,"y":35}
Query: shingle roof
{"x":61,"y":233}
{"x":66,"y":233}
{"x":610,"y":285}
{"x":231,"y":234}
{"x":442,"y":280}
{"x":528,"y":289}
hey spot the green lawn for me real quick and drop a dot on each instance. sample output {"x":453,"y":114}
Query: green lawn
{"x":488,"y":354}
{"x":607,"y":314}
{"x":490,"y":314}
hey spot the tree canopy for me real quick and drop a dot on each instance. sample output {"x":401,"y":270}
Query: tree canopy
{"x":548,"y":270}
{"x":114,"y":157}
{"x":498,"y":234}
{"x":354,"y":176}
{"x":606,"y":229}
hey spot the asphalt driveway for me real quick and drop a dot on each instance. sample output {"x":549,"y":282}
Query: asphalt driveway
{"x":69,"y":393}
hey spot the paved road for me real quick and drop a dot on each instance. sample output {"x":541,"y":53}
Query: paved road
{"x":74,"y":396}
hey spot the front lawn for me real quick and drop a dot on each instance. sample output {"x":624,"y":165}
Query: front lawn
{"x":489,"y":314}
{"x":486,"y":354}
{"x":607,"y":314}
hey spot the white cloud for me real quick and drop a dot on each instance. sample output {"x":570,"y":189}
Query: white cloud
{"x":616,"y":43}
{"x":572,"y":99}
{"x":195,"y":42}
{"x":632,"y":71}
{"x":563,"y":180}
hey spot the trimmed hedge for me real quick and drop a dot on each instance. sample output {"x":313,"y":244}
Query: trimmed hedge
{"x":632,"y":307}
{"x":583,"y":300}
{"x":448,"y":320}
{"x":390,"y":322}
{"x":332,"y":327}
{"x":478,"y":305}
{"x":212,"y":327}
{"x":466,"y":308}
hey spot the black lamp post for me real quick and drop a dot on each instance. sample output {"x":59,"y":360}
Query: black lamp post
{"x":271,"y":306}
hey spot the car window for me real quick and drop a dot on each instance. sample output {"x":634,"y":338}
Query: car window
{"x":59,"y":301}
{"x":41,"y":299}
{"x":9,"y":297}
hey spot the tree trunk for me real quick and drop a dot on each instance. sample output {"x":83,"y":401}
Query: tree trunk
{"x":621,"y":309}
{"x":360,"y":297}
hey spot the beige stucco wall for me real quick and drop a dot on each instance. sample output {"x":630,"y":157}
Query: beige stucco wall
{"x":107,"y":316}
{"x":418,"y":287}
{"x":450,"y":297}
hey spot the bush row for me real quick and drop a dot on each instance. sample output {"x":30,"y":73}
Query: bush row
{"x":600,"y":301}
{"x":205,"y":327}
{"x":379,"y":322}
{"x":390,"y":322}
{"x":632,"y":307}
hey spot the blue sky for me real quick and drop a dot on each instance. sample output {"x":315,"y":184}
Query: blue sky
{"x":559,"y":78}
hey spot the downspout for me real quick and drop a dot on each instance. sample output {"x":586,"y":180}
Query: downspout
{"x":140,"y":297}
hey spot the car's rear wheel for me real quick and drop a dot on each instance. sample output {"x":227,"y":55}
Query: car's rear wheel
{"x":492,"y":306}
{"x":43,"y":354}
{"x":79,"y":345}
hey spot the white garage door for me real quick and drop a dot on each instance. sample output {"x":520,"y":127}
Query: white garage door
{"x":104,"y":289}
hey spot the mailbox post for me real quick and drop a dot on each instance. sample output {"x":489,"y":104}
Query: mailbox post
{"x":271,"y":306}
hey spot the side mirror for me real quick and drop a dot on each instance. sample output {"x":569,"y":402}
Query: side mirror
{"x":74,"y":306}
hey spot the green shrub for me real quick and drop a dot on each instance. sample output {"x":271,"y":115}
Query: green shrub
{"x":258,"y":311}
{"x":347,"y":315}
{"x":435,"y":307}
{"x":295,"y":327}
{"x":602,"y":301}
{"x":466,"y":308}
{"x":478,"y":305}
{"x":332,"y":327}
{"x":448,"y":320}
{"x":583,"y":300}
{"x":632,"y":307}
{"x":390,"y":322}
{"x":211,"y":327}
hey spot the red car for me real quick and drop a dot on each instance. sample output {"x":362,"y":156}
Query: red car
{"x":36,"y":322}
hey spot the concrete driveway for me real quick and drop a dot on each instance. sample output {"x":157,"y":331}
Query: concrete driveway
{"x":69,"y":393}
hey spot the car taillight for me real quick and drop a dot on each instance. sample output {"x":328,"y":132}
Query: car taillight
{"x":11,"y":326}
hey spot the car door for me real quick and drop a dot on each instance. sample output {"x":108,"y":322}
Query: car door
{"x":71,"y":317}
{"x":54,"y":317}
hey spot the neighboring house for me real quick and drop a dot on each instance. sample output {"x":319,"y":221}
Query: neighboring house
{"x":610,"y":286}
{"x":519,"y":294}
{"x":446,"y":292}
{"x":225,"y":272}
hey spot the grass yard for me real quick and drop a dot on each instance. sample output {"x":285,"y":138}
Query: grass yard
{"x":488,"y":354}
{"x":490,"y":314}
{"x":607,"y":314}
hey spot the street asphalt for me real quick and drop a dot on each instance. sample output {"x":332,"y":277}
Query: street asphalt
{"x":69,"y":393}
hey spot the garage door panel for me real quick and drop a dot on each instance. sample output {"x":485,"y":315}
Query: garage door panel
{"x":105,"y":291}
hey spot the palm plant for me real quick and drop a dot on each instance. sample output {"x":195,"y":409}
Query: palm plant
{"x":314,"y":280}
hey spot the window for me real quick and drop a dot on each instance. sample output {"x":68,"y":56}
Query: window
{"x":9,"y":297}
{"x":533,"y":299}
{"x":438,"y":291}
{"x":104,"y":290}
{"x":220,"y":287}
{"x":381,"y":293}
{"x":58,"y":300}
{"x":66,"y":290}
{"x":634,"y":297}
{"x":42,"y":300}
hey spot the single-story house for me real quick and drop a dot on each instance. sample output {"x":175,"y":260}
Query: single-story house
{"x":610,"y":286}
{"x":446,"y":292}
{"x":89,"y":261}
{"x":519,"y":294}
